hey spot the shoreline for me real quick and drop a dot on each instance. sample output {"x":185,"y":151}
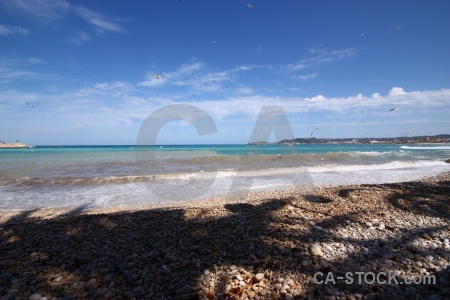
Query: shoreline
{"x":13,"y":145}
{"x":269,"y":246}
{"x":288,"y":193}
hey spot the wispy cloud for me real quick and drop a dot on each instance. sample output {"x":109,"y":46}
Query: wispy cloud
{"x":320,"y":56}
{"x":8,"y":30}
{"x":80,"y":38}
{"x":180,"y":76}
{"x":100,"y":23}
{"x":308,"y":76}
{"x":35,"y":61}
{"x":197,"y":76}
{"x":50,"y":11}
{"x":40,"y":10}
{"x":17,"y":68}
{"x":15,"y":62}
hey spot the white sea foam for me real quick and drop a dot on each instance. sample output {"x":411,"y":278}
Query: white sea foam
{"x":132,"y":194}
{"x":426,"y":147}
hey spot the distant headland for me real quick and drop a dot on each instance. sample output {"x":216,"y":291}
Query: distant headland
{"x":441,"y":138}
{"x":13,"y":145}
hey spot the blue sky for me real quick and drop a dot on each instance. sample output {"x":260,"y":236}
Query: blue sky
{"x":88,"y":68}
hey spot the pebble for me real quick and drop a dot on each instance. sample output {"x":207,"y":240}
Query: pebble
{"x":259,"y":276}
{"x":204,"y":258}
{"x":263,"y":292}
{"x":315,"y":249}
{"x":35,"y":297}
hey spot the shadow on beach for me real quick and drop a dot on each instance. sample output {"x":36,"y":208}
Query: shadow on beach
{"x":215,"y":253}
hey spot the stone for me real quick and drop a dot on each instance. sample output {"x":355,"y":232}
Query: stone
{"x":91,"y":282}
{"x":263,"y":292}
{"x":315,"y":249}
{"x":35,"y":297}
{"x":139,"y":290}
{"x":259,"y":276}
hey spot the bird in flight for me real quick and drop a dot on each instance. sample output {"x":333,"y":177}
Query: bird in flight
{"x":408,"y":132}
{"x":314,"y":130}
{"x":249,"y":5}
{"x":157,"y":76}
{"x":365,"y":121}
{"x":30,"y":105}
{"x":383,"y":121}
{"x":395,"y":108}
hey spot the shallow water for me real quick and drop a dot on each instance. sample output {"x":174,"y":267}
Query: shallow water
{"x":112,"y":176}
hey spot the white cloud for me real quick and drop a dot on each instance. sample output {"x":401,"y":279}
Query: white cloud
{"x":376,"y":95}
{"x":123,"y":106}
{"x":396,"y":91}
{"x":8,"y":30}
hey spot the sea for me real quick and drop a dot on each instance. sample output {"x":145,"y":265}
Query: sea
{"x":70,"y":177}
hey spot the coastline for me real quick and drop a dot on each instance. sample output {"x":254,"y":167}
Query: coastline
{"x":269,"y":244}
{"x":14,"y":145}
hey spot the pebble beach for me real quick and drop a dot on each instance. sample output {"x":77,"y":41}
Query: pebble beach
{"x":270,"y":245}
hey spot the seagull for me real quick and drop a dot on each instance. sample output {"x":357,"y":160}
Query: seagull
{"x":365,"y":121}
{"x":157,"y":76}
{"x":30,"y":105}
{"x":395,"y":108}
{"x":363,"y":34}
{"x":314,"y":130}
{"x":249,"y":5}
{"x":383,"y":121}
{"x":408,"y":132}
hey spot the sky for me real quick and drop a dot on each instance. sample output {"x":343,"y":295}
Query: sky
{"x":94,"y":71}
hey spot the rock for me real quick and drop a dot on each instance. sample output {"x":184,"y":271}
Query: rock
{"x":259,"y":276}
{"x":139,"y":290}
{"x":305,"y":263}
{"x":328,"y":248}
{"x":35,"y":297}
{"x":315,"y":249}
{"x":263,"y":292}
{"x":91,"y":282}
{"x":435,"y":297}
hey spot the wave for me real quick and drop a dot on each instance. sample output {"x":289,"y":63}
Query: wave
{"x":426,"y":147}
{"x":395,"y":165}
{"x":273,"y":172}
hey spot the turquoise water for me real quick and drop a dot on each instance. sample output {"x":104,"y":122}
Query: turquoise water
{"x":105,"y":176}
